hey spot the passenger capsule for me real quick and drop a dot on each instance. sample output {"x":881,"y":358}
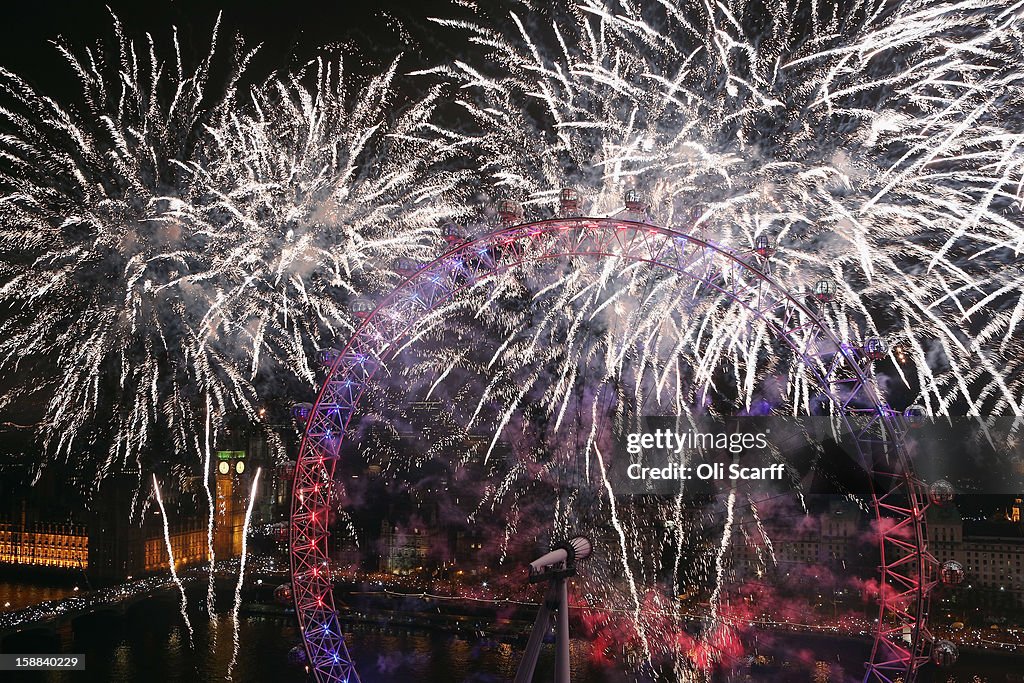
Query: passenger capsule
{"x":328,"y":357}
{"x":633,"y":200}
{"x":509,"y":212}
{"x":915,"y":416}
{"x":569,"y":202}
{"x":362,"y":308}
{"x":875,"y":349}
{"x":941,"y":493}
{"x":300,"y":414}
{"x":453,"y":234}
{"x":405,"y":266}
{"x":951,"y":573}
{"x":283,"y":594}
{"x":824,"y":291}
{"x":945,"y":653}
{"x":696,"y":213}
{"x":297,"y":656}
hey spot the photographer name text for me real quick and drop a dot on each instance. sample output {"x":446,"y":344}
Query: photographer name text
{"x":704,"y":472}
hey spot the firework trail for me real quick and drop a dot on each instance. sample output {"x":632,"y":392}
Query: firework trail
{"x":730,"y":509}
{"x":211,"y":512}
{"x":241,"y":573}
{"x":170,"y":558}
{"x":624,"y":546}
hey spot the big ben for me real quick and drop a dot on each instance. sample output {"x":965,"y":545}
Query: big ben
{"x":229,"y":521}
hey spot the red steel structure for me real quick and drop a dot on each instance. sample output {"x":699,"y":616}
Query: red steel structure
{"x":843,"y":372}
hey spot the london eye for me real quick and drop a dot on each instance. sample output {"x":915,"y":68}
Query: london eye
{"x":843,"y":372}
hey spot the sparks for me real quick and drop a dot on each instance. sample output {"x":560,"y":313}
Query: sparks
{"x":170,"y":558}
{"x":241,"y":573}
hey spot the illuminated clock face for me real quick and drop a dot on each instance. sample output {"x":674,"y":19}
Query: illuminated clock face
{"x":224,"y":467}
{"x":240,"y":466}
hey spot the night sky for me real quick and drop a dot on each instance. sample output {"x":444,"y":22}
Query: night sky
{"x":291,"y":32}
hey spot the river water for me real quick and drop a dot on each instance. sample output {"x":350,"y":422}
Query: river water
{"x":153,"y":646}
{"x":150,"y":644}
{"x":18,"y":594}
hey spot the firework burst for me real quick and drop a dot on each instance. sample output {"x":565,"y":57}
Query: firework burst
{"x":99,"y":234}
{"x":878,"y":146}
{"x":318,"y":191}
{"x":176,"y":249}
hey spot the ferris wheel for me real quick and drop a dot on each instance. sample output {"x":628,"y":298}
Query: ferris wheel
{"x":842,"y":371}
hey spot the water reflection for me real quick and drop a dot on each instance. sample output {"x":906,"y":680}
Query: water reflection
{"x":148,"y":644}
{"x":21,"y":594}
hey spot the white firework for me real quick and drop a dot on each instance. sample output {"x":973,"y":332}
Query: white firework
{"x":876,"y":145}
{"x":319,"y":189}
{"x":100,"y":238}
{"x":175,"y":249}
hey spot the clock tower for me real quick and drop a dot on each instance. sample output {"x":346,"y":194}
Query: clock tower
{"x":229,"y":515}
